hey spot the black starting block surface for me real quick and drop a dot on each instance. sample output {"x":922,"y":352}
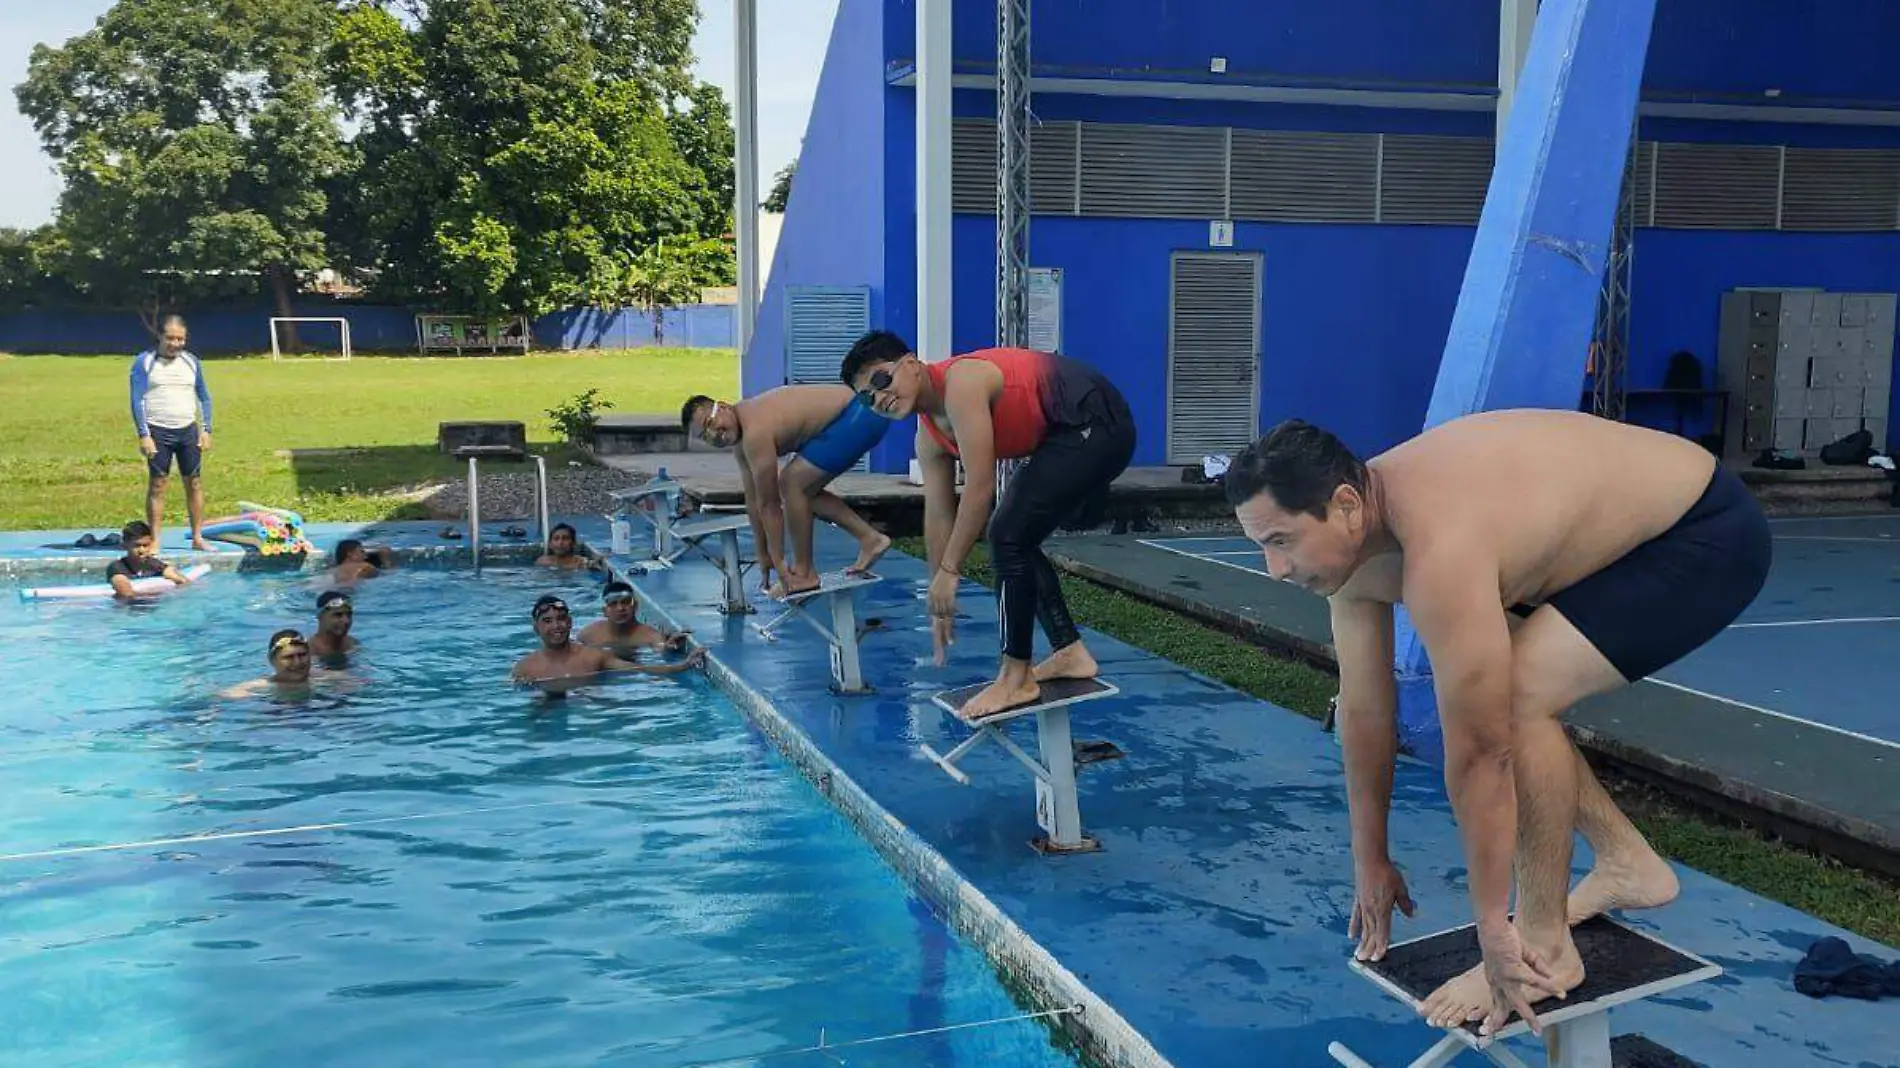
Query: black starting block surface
{"x":1054,"y":692}
{"x":1619,"y":964}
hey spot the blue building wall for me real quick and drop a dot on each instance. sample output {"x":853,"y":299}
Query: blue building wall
{"x":1354,"y":318}
{"x":373,"y":328}
{"x":835,"y":228}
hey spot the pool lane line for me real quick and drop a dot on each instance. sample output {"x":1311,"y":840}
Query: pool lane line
{"x":222,"y":836}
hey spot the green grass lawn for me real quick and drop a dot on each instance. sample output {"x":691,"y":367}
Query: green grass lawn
{"x":1849,"y":898}
{"x":68,"y":457}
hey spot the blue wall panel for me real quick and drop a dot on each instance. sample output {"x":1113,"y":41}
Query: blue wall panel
{"x":834,"y":223}
{"x":1708,"y":48}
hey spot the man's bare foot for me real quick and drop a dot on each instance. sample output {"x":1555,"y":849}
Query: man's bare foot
{"x":201,"y":545}
{"x":999,"y":696}
{"x":1467,"y":998}
{"x":870,"y":551}
{"x":791,"y":582}
{"x":1645,"y":881}
{"x":1069,"y":662}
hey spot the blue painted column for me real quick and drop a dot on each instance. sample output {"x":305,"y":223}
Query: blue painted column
{"x":1521,"y":333}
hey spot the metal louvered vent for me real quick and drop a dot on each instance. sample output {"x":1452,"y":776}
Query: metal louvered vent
{"x":1053,"y":147}
{"x":1305,"y":177}
{"x":1717,"y":187}
{"x":1645,"y":163}
{"x":1162,"y":172}
{"x":1434,"y":179}
{"x":1213,"y":354}
{"x":1841,"y":189}
{"x":973,"y":166}
{"x":1052,"y":150}
{"x":821,"y":324}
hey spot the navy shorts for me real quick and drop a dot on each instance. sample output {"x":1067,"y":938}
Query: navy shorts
{"x":182,"y":443}
{"x":844,"y":441}
{"x":1670,"y":595}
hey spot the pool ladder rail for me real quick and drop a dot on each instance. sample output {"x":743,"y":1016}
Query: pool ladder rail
{"x":475,"y":503}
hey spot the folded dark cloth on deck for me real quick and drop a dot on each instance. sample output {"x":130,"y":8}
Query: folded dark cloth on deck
{"x":1832,"y":968}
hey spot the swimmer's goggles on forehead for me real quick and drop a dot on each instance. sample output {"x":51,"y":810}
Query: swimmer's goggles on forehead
{"x":340,"y":604}
{"x":547,"y":607}
{"x":617,"y":597}
{"x":286,"y":642}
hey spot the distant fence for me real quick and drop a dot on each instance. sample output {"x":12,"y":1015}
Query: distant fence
{"x":373,"y":328}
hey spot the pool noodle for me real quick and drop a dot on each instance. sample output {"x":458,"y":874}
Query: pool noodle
{"x":154,"y":584}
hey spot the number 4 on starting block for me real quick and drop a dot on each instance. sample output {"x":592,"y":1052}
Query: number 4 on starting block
{"x":1620,"y":965}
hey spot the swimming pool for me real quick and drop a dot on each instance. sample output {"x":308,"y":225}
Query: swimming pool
{"x":631,"y":876}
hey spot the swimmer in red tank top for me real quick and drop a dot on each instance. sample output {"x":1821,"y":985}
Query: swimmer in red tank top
{"x":1072,"y":426}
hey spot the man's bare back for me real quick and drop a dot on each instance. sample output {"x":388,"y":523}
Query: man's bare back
{"x":792,"y":415}
{"x":1524,"y":497}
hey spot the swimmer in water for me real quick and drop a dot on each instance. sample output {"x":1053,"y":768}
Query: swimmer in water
{"x":562,"y":664}
{"x":565,"y":551}
{"x":620,"y":631}
{"x":140,"y":561}
{"x":289,"y":655}
{"x":332,"y":643}
{"x":356,"y":562}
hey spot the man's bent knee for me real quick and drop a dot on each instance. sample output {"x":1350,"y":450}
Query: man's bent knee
{"x":802,"y":477}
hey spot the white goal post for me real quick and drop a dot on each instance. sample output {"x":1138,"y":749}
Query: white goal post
{"x":276,"y":350}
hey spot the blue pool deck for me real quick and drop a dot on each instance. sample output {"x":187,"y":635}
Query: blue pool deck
{"x":1213,"y":921}
{"x":1211,"y":928}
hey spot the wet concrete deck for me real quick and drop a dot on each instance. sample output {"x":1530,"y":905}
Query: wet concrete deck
{"x":1214,"y":919}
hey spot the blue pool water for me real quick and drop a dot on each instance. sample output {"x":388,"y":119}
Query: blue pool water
{"x":677,"y":897}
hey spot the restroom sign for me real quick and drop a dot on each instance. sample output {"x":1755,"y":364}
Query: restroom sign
{"x":1220,"y":234}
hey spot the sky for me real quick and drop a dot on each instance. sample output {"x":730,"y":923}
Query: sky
{"x":792,"y":39}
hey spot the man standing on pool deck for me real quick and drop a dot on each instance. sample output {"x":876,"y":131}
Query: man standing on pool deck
{"x":1619,"y":549}
{"x":1072,"y":425}
{"x":829,"y":430}
{"x":171,"y":411}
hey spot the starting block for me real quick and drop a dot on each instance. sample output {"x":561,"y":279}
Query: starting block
{"x":688,"y":533}
{"x":1620,"y":965}
{"x":832,"y":611}
{"x":1058,"y":812}
{"x":637,"y":503}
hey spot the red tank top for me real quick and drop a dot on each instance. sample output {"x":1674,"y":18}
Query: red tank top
{"x":1016,"y":415}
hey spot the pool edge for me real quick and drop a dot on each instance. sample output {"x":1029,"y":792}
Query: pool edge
{"x":1101,"y":1032}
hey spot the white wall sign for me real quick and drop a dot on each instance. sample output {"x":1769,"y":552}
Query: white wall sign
{"x":1220,"y":234}
{"x":1045,"y":309}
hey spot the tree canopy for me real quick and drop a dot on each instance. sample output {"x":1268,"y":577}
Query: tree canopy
{"x":480,"y":156}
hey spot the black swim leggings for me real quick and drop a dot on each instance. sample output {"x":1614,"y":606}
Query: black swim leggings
{"x":1068,"y":473}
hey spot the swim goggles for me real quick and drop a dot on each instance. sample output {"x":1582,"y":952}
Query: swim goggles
{"x":551,"y":604}
{"x":617,"y":597}
{"x":286,"y":642}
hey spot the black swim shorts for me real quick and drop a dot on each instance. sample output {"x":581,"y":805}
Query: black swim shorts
{"x":1670,"y":595}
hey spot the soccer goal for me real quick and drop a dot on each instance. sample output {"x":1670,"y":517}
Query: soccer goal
{"x":343,"y":331}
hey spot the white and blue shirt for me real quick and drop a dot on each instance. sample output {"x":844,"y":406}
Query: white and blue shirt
{"x":168,"y":394}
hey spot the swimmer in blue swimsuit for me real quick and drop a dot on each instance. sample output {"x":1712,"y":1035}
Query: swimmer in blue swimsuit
{"x":826,"y":430}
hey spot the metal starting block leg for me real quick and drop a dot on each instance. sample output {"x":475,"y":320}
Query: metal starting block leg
{"x":1058,"y":809}
{"x":1620,"y":965}
{"x":837,"y":621}
{"x":691,"y":533}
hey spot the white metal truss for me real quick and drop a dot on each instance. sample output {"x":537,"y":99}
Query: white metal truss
{"x":1611,"y":345}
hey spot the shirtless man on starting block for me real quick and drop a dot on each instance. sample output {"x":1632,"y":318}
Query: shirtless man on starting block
{"x":827,"y":430}
{"x":1543,"y":557}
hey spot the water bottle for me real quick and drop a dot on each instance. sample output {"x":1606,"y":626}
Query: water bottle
{"x":623,"y":536}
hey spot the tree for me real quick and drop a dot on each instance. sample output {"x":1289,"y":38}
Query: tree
{"x":197,"y":142}
{"x":703,"y":133}
{"x":33,"y":269}
{"x":781,"y":193}
{"x":524,"y":150}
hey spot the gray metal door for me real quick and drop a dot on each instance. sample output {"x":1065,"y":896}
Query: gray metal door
{"x":1213,"y":354}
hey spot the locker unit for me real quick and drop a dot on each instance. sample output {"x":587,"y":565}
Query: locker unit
{"x":1804,"y":368}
